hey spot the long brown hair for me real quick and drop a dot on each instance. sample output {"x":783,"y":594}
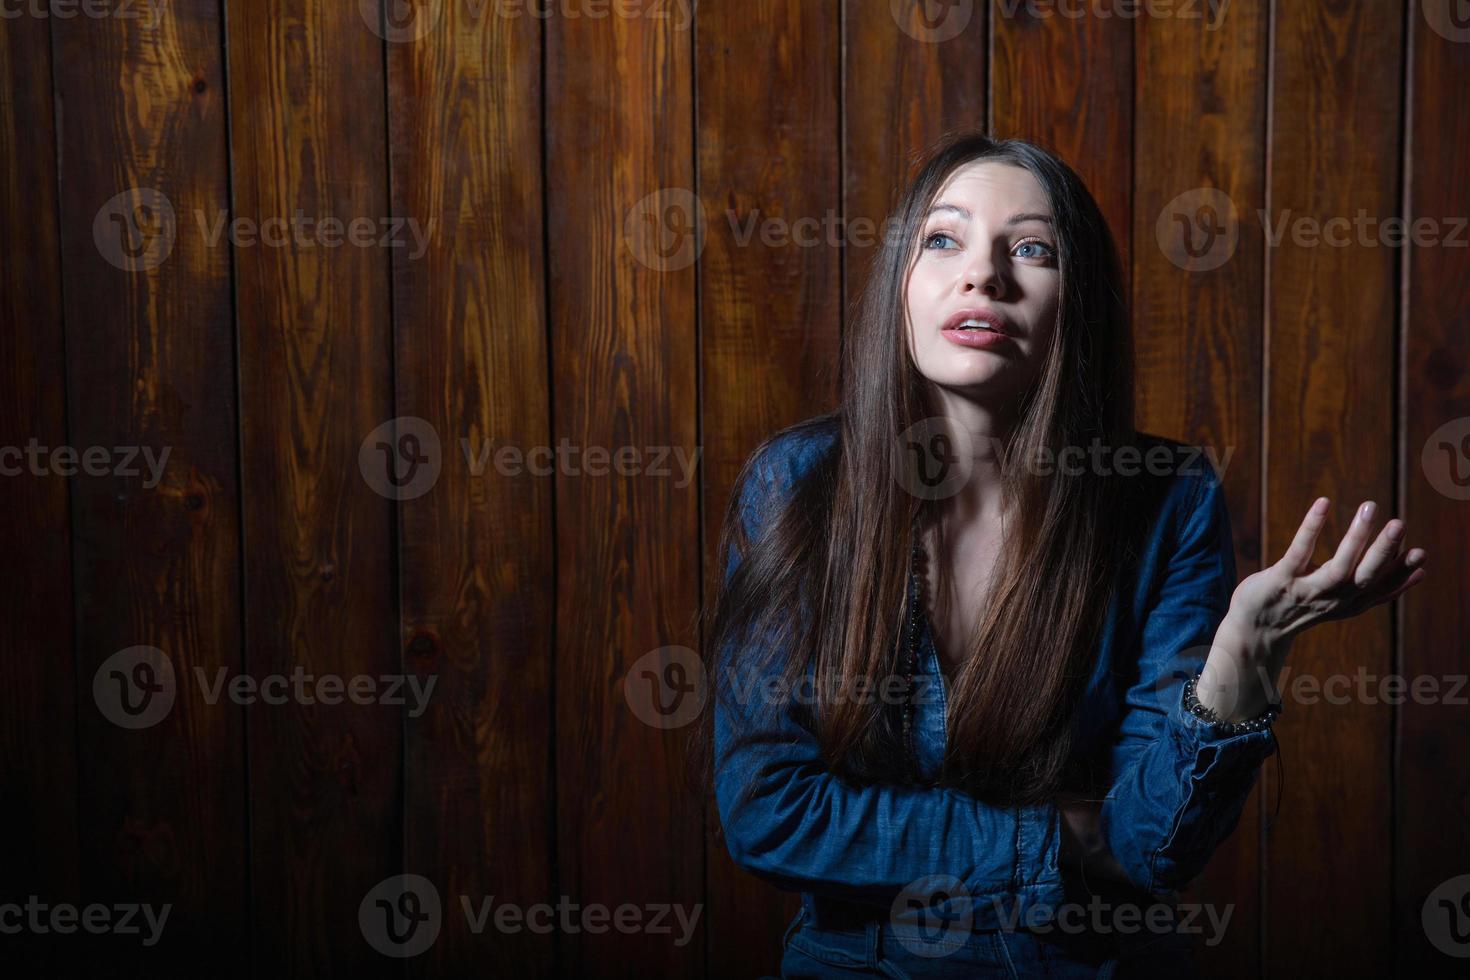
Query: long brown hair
{"x":826,"y":581}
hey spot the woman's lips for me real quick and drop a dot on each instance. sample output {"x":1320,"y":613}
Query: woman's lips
{"x":975,"y":339}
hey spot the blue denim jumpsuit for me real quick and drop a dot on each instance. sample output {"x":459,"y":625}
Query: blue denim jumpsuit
{"x":928,"y":881}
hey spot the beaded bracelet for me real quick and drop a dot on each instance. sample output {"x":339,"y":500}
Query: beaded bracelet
{"x":1259,"y":723}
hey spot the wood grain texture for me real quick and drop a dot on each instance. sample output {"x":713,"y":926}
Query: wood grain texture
{"x":769,"y":316}
{"x":622,"y":312}
{"x":307,"y":127}
{"x":1330,"y":348}
{"x":1066,"y":81}
{"x":903,"y":88}
{"x":1200,"y":126}
{"x":38,"y":699}
{"x":556,"y":167}
{"x":1432,"y":791}
{"x":149,"y":344}
{"x":476,"y":550}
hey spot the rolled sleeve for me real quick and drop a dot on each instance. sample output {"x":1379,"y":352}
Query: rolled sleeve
{"x":1181,"y":782}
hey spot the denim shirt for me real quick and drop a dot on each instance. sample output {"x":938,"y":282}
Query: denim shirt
{"x":1177,"y":784}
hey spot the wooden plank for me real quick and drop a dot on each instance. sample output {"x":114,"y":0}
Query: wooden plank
{"x":907,"y":80}
{"x":769,"y":314}
{"x":477,"y":550}
{"x":150,"y":353}
{"x":307,"y":128}
{"x":1334,"y":151}
{"x":622,"y":309}
{"x":38,"y":764}
{"x":1198,"y":293}
{"x":1066,"y":81}
{"x":1433,"y":741}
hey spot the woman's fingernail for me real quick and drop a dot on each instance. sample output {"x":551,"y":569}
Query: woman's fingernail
{"x":1366,"y":513}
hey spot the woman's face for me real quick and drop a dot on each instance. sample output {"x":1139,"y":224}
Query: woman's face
{"x":987,"y":259}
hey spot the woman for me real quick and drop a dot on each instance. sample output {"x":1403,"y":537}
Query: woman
{"x":985,"y":681}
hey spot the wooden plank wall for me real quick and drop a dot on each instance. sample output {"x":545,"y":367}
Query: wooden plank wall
{"x":561,"y":206}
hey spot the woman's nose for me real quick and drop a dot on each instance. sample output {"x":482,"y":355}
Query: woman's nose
{"x":982,"y":272}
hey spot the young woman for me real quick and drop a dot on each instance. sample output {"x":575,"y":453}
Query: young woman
{"x":986,"y":687}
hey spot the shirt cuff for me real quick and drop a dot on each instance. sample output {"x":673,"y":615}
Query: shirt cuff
{"x":1211,"y":748}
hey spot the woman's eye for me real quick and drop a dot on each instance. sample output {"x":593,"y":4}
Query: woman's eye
{"x":1038,"y":250}
{"x":939,"y":236}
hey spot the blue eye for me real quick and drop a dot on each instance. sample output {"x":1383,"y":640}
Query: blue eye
{"x":1034,"y":243}
{"x":937,"y":234}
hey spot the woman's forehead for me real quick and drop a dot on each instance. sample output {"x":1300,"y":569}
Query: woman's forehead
{"x":990,"y":185}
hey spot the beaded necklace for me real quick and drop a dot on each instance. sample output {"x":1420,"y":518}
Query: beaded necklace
{"x":910,"y":667}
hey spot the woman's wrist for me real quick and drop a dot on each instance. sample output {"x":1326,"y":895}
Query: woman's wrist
{"x":1238,"y":681}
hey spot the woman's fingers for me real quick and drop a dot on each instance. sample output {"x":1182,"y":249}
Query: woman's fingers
{"x":1381,"y":554}
{"x":1339,"y":568}
{"x":1402,"y":580}
{"x":1299,"y":555}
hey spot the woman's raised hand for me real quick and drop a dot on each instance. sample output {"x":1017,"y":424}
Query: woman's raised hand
{"x":1287,"y":597}
{"x":1270,"y":608}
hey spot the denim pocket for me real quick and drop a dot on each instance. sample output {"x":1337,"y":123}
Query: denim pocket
{"x":830,"y":946}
